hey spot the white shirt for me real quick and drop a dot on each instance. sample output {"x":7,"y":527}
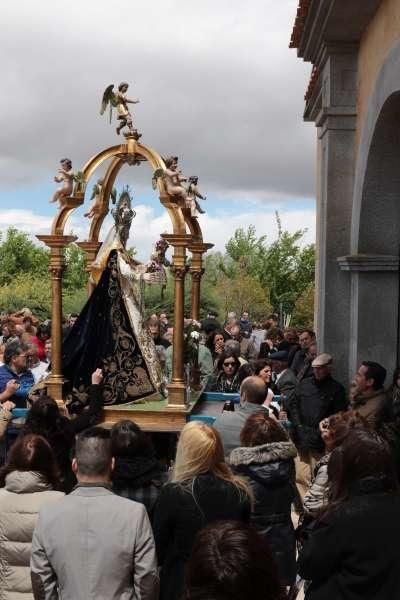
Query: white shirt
{"x":40,"y":371}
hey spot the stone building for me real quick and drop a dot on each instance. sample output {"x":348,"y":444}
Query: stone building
{"x":354,"y":100}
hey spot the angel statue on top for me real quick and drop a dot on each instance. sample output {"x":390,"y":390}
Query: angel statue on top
{"x":117,"y":98}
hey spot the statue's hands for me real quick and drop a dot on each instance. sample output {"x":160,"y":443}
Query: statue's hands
{"x":97,"y":377}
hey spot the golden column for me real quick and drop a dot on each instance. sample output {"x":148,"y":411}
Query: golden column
{"x":90,"y":249}
{"x":177,"y":387}
{"x":56,"y":243}
{"x":196,"y":270}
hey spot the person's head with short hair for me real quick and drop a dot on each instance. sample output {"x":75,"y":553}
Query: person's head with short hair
{"x":32,"y":355}
{"x":336,"y":428}
{"x":245,"y":370}
{"x":306,"y":338}
{"x":233,"y":327}
{"x":263,"y":369}
{"x":73,"y":319}
{"x":8,"y":328}
{"x":230,"y":560}
{"x":44,"y":417}
{"x":322,"y":366}
{"x":129,"y":441}
{"x":363,"y":456}
{"x":260,"y":429}
{"x":32,"y":453}
{"x":19,"y":330}
{"x":15,"y":356}
{"x":215,"y":340}
{"x":370,"y":376}
{"x":47,"y":349}
{"x":290,"y":335}
{"x":253,"y":390}
{"x":228,"y":363}
{"x":27,"y":323}
{"x":163,"y":317}
{"x":245,"y":315}
{"x":154,"y":327}
{"x":232,"y":346}
{"x":43,"y":332}
{"x":274,"y":334}
{"x":279,"y":361}
{"x":93,"y":460}
{"x":231,"y":315}
{"x":200,"y":450}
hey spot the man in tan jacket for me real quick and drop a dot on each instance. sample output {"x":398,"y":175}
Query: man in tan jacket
{"x":94,"y":544}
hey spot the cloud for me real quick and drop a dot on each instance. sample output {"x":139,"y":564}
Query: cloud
{"x":217,"y":83}
{"x":147,"y":226}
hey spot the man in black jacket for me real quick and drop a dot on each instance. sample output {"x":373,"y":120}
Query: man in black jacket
{"x":316,"y":398}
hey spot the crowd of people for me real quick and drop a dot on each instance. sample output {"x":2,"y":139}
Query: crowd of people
{"x":297,"y":484}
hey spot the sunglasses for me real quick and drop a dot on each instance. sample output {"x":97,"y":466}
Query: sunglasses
{"x":229,"y":364}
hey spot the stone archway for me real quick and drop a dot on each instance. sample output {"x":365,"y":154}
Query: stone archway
{"x":375,"y":235}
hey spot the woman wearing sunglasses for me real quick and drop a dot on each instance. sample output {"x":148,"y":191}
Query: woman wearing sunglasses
{"x":227,"y":380}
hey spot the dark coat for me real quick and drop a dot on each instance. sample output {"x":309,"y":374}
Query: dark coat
{"x":181,"y":511}
{"x":62,"y":436}
{"x":314,"y":401}
{"x":286,"y":385}
{"x":353,"y":554}
{"x":138,"y":478}
{"x":266,"y":350}
{"x":270,"y":472}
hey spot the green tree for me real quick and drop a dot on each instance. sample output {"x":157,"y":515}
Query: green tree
{"x":75,"y":277}
{"x":28,"y":290}
{"x":303,"y":313}
{"x":19,"y":255}
{"x":283,"y":268}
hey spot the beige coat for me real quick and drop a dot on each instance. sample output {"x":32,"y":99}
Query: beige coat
{"x":20,"y":501}
{"x":94,"y":545}
{"x":5,"y":417}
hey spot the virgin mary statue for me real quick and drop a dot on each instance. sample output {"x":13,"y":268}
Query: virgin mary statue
{"x":110,"y":332}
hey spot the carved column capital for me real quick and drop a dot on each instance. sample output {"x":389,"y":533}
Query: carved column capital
{"x":178,"y":271}
{"x":196,"y":274}
{"x":56,"y":271}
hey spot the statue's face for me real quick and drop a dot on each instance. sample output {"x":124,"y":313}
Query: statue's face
{"x":124,"y":89}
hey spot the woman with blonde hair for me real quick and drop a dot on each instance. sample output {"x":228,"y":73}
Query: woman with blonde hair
{"x":203,"y":489}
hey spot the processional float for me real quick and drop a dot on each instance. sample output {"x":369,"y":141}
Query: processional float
{"x":179,"y":196}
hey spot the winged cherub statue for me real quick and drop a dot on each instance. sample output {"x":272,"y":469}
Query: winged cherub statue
{"x":173,"y":179}
{"x":117,"y":98}
{"x":66,"y":177}
{"x":96,"y":198}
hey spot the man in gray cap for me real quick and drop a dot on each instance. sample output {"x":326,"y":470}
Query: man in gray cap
{"x":315,"y":399}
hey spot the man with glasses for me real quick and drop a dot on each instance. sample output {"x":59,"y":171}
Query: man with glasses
{"x":15,"y":379}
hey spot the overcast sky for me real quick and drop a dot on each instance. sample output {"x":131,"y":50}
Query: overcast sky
{"x":217,"y":85}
